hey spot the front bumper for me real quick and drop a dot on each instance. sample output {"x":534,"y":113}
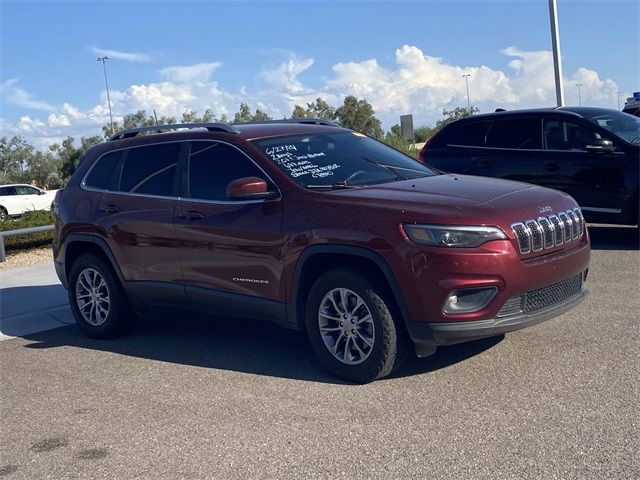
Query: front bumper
{"x":427,"y":336}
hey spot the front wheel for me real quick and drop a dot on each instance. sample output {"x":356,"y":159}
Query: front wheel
{"x":353,"y":328}
{"x":98,"y":302}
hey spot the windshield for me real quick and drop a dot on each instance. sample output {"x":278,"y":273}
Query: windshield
{"x":625,"y":126}
{"x":339,"y":160}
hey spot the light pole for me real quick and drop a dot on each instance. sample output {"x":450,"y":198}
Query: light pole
{"x":555,"y":43}
{"x":466,"y":79}
{"x":104,"y":69}
{"x":579,"y":96}
{"x":618,"y":94}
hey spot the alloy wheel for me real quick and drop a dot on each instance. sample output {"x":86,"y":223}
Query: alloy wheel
{"x":346,"y":326}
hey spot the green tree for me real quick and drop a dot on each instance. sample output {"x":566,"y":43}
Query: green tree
{"x":69,"y":155}
{"x":245,"y":115}
{"x":359,"y":115}
{"x":135,"y":120}
{"x":455,"y":114}
{"x":423,"y":133}
{"x":44,"y":170}
{"x":192,"y":117}
{"x":316,"y":109}
{"x":14,"y":158}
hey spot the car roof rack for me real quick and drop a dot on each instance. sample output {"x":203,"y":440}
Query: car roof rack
{"x":306,"y":121}
{"x":212,"y":127}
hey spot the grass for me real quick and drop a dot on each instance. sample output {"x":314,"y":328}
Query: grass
{"x":30,"y":219}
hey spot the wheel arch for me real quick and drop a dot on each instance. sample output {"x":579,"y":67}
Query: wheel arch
{"x":77,"y":244}
{"x":320,"y":258}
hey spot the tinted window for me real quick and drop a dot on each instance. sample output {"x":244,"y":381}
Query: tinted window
{"x":213,"y":165}
{"x":150,"y":170}
{"x":103,"y":174}
{"x":515,"y":133}
{"x":560,"y":135}
{"x":467,"y":134}
{"x":624,"y":126}
{"x":6,"y":191}
{"x":26,"y":190}
{"x":339,"y":160}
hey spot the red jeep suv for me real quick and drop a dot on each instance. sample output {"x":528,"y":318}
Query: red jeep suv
{"x":314,"y":227}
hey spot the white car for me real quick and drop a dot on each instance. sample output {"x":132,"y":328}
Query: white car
{"x":17,"y":199}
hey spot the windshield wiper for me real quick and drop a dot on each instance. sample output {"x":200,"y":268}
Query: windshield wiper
{"x":333,"y":186}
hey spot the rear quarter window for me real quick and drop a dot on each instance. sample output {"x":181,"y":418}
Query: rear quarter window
{"x":468,"y":134}
{"x":103,"y":175}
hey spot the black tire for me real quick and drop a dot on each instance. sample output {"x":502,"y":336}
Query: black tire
{"x":385,"y":331}
{"x":119,"y":317}
{"x":4,"y":215}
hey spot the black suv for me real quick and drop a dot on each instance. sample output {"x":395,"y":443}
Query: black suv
{"x":590,"y":153}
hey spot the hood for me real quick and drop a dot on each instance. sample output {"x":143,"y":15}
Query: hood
{"x":463,"y":196}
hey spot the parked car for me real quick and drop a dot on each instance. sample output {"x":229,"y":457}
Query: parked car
{"x":317,"y":228}
{"x":593,"y":154}
{"x":17,"y":199}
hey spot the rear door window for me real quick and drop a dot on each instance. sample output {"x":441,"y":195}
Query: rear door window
{"x":516,"y":133}
{"x":8,"y":191}
{"x":151,"y":170}
{"x":212,"y":166}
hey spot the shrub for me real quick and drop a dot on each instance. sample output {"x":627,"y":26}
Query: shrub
{"x":30,"y":219}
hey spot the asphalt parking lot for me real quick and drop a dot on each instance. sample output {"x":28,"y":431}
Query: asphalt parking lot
{"x":185,"y":397}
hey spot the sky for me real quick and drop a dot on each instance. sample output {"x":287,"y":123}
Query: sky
{"x":404,"y":57}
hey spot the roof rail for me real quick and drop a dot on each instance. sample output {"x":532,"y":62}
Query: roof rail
{"x":309,"y":121}
{"x":212,"y":127}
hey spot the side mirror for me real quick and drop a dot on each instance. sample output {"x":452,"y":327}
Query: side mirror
{"x":248,"y":188}
{"x":601,"y":145}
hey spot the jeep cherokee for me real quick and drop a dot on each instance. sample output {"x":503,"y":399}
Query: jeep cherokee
{"x":317,"y":228}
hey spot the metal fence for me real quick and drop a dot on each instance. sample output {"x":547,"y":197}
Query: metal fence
{"x":19,"y":232}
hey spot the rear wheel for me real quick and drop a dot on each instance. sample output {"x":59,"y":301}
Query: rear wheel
{"x":352,"y":327}
{"x":98,"y":302}
{"x":3,"y":215}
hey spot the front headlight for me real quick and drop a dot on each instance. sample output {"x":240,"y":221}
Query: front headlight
{"x":452,"y":236}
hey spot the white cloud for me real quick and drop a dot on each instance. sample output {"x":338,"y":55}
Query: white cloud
{"x":284,"y":77}
{"x":21,"y":98}
{"x":200,"y":72}
{"x":126,"y":56}
{"x":413,"y":82}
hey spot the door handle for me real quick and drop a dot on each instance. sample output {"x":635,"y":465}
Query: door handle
{"x":484,"y":163}
{"x":109,"y":208}
{"x":190,"y":215}
{"x":551,"y":166}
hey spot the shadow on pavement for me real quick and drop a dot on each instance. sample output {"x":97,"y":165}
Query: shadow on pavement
{"x":232,"y":344}
{"x":613,"y":237}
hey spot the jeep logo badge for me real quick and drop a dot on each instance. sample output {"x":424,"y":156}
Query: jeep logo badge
{"x":545,"y":209}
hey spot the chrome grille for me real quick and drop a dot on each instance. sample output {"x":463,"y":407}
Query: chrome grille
{"x":543,"y":298}
{"x":580,"y":220}
{"x":536,"y":235}
{"x":549,"y":232}
{"x":558,"y":229}
{"x":566,"y":230}
{"x":522,"y":234}
{"x":575,"y":233}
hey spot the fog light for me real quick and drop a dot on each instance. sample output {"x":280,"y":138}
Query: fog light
{"x":469,"y":299}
